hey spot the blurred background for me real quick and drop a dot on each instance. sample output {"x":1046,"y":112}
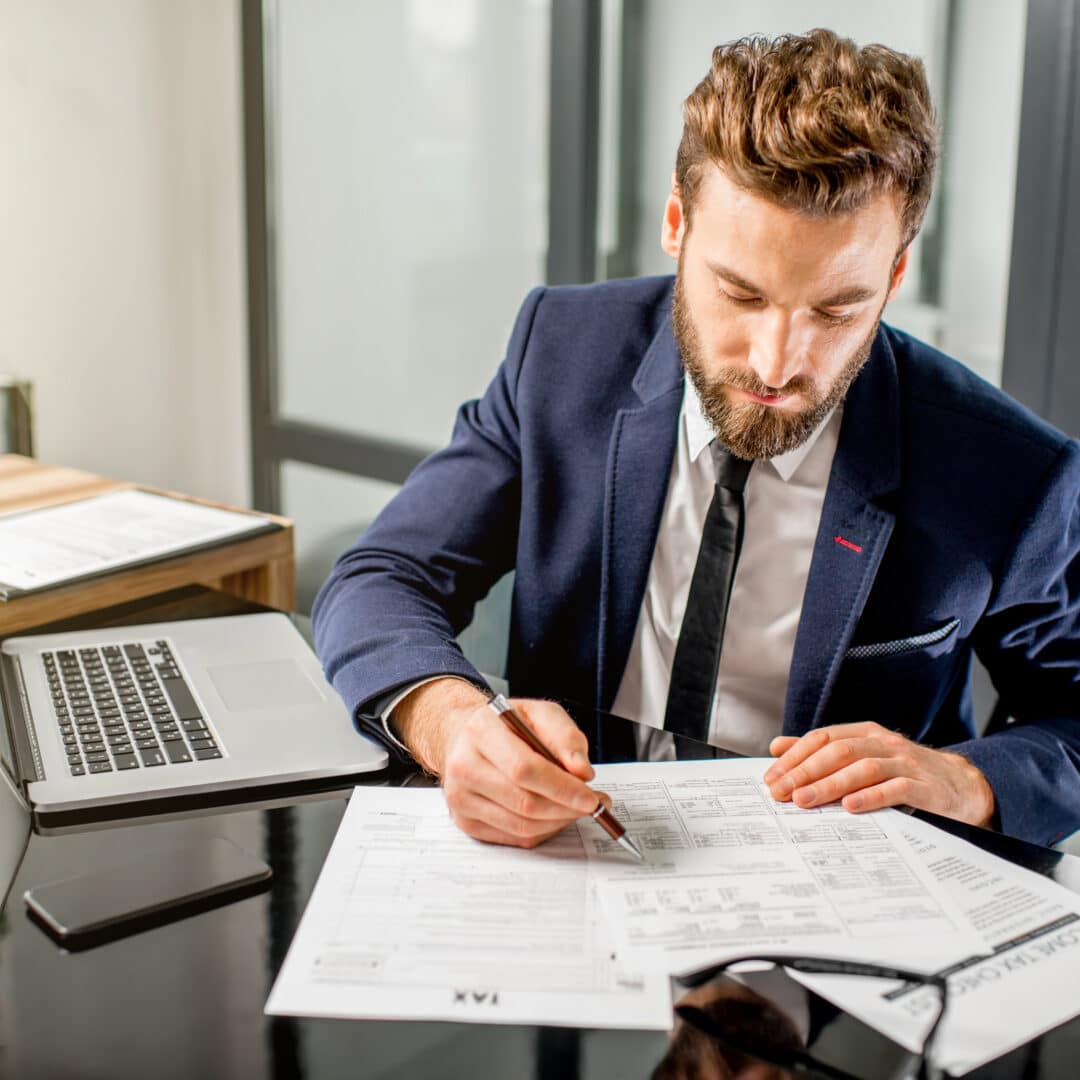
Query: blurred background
{"x":260,"y":250}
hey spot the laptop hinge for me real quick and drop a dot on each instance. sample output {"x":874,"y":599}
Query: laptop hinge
{"x":20,"y":723}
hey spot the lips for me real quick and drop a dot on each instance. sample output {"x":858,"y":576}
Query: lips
{"x":766,"y":399}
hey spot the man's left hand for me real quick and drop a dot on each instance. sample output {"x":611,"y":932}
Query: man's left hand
{"x":867,"y":766}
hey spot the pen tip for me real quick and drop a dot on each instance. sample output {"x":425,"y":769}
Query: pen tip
{"x":631,"y":847}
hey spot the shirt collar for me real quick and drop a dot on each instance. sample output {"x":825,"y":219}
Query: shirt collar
{"x":700,"y":434}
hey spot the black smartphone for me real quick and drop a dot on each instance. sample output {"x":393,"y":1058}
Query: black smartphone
{"x":161,"y":888}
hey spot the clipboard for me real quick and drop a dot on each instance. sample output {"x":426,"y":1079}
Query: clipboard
{"x":45,"y":548}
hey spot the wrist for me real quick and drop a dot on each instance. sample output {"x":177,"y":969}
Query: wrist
{"x":981,"y":801}
{"x":427,"y":719}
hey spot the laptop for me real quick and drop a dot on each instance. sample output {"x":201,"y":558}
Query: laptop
{"x":126,"y":722}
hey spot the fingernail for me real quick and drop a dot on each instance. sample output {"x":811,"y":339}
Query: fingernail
{"x":587,"y":805}
{"x":771,"y":774}
{"x":807,"y":796}
{"x":854,"y":802}
{"x":784,"y":787}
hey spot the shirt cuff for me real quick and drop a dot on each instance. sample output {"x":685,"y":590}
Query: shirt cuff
{"x":395,"y":701}
{"x":384,"y":713}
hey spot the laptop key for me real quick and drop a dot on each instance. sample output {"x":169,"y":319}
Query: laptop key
{"x":126,"y":761}
{"x":146,"y":744}
{"x":151,"y":757}
{"x":99,"y":766}
{"x":193,"y":725}
{"x":207,"y":755}
{"x":177,"y":752}
{"x":77,"y":770}
{"x":182,"y":700}
{"x":96,"y":756}
{"x":203,"y":744}
{"x":171,"y":736}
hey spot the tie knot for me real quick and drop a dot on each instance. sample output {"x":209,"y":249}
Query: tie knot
{"x":731,"y":471}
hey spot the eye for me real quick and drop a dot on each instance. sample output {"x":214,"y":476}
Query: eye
{"x":741,"y":301}
{"x":831,"y":319}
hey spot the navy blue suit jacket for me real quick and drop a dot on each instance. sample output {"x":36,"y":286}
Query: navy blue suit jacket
{"x":958,"y":509}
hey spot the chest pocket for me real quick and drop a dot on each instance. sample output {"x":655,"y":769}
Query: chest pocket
{"x":932,"y":643}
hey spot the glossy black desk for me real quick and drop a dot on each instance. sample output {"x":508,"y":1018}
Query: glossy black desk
{"x":185,"y":1000}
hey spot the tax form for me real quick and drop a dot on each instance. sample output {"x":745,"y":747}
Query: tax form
{"x":729,"y":871}
{"x":1028,"y":984}
{"x":410,"y":918}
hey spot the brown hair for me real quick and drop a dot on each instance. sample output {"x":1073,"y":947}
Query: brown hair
{"x":813,"y":123}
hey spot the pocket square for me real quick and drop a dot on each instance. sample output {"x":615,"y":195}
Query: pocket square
{"x":901,"y":645}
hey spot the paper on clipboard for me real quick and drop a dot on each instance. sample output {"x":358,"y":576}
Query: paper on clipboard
{"x":58,"y":544}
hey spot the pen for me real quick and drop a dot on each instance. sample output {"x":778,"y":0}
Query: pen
{"x":601,"y":815}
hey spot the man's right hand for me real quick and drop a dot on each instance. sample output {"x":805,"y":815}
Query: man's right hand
{"x":497,"y":788}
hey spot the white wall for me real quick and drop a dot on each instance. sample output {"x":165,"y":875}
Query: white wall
{"x":121,"y":236}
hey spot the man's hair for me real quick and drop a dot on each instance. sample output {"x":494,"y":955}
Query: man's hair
{"x":813,"y":123}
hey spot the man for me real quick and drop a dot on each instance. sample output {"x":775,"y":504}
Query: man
{"x":739,"y":507}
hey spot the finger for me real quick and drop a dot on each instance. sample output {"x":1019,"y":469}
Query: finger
{"x":865,"y":773}
{"x":899,"y":791}
{"x":525,"y":768}
{"x":555,"y":728}
{"x":831,"y":758}
{"x":484,"y":779}
{"x":490,"y":834}
{"x":781,"y":744}
{"x":510,"y":827}
{"x":812,"y":742}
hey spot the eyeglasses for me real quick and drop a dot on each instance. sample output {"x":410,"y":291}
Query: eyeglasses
{"x":753,"y":1015}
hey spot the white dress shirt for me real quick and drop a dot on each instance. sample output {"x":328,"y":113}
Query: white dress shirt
{"x":783,"y":499}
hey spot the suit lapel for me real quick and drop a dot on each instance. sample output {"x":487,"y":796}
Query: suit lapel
{"x":640,"y":454}
{"x":852,"y":537}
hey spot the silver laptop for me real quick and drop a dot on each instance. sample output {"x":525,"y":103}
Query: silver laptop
{"x":132,"y":721}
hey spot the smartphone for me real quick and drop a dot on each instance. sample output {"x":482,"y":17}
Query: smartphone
{"x":161,"y":888}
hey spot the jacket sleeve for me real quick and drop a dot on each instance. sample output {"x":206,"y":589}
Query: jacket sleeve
{"x":1029,"y":640}
{"x":389,"y":613}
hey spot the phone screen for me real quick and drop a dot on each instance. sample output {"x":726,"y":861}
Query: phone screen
{"x":147,"y":892}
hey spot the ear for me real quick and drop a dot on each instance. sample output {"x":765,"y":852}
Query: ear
{"x":673,"y":228}
{"x":898,"y":273}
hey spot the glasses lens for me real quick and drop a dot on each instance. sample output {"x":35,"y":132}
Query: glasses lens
{"x":759,"y":1011}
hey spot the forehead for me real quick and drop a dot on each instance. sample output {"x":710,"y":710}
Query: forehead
{"x":767,"y":243}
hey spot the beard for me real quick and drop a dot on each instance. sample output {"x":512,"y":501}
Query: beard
{"x":749,"y":429}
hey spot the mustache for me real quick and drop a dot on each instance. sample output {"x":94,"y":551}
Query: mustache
{"x":741,"y":379}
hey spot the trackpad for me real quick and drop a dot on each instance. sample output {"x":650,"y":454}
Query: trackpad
{"x":269,"y":684}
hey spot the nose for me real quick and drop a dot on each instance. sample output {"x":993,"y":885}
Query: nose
{"x":774,"y":351}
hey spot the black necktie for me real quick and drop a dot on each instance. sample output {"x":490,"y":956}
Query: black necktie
{"x":697,"y":654}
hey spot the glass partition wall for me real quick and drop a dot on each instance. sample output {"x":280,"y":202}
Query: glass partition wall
{"x":415,"y":166}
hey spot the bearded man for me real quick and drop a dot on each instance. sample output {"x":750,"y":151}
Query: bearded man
{"x":741,"y":510}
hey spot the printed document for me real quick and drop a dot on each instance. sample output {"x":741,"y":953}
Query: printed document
{"x":410,"y":918}
{"x":1029,"y":984}
{"x":39,"y":548}
{"x":730,"y":871}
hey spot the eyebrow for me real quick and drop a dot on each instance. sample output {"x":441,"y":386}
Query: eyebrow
{"x":854,"y":294}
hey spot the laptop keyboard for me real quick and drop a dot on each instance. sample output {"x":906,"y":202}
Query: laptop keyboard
{"x":126,"y":707}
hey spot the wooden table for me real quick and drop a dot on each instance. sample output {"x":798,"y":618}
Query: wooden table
{"x":258,"y":568}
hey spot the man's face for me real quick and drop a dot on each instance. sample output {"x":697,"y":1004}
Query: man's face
{"x":775,"y":312}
